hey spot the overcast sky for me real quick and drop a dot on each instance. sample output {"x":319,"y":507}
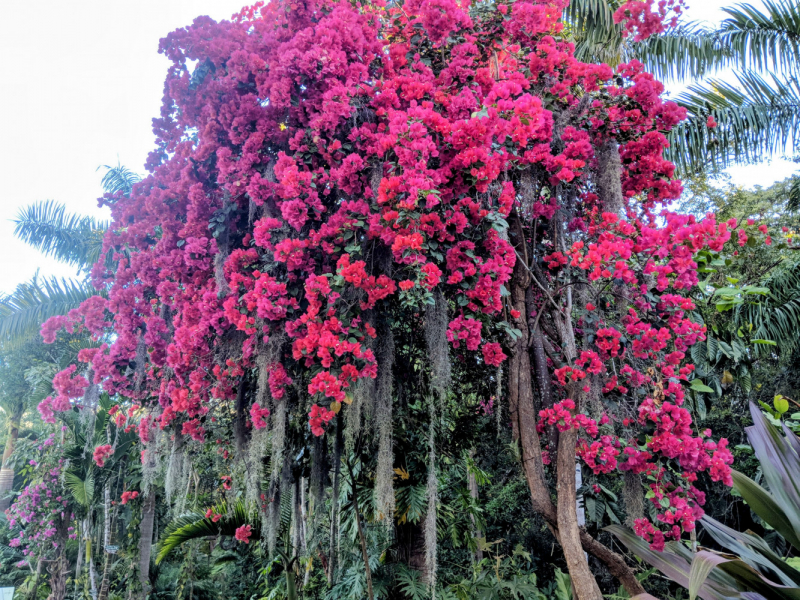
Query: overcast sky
{"x":81,"y":83}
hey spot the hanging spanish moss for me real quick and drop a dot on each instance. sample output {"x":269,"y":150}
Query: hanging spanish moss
{"x":609,"y":182}
{"x":151,"y":459}
{"x":360,"y":411}
{"x":278,"y":438}
{"x":384,"y":477}
{"x":262,"y":387}
{"x":254,"y":465}
{"x":527,"y":192}
{"x":87,"y":416}
{"x":240,"y":422}
{"x":298,"y":531}
{"x":141,"y":362}
{"x":498,"y":401}
{"x":333,"y":545}
{"x":633,"y":497}
{"x":182,"y":491}
{"x":172,"y":478}
{"x":276,"y":477}
{"x":433,"y":498}
{"x":438,"y":348}
{"x":219,"y":264}
{"x":375,"y":178}
{"x":317,"y":482}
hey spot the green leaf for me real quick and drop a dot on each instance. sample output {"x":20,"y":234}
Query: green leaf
{"x":781,"y":404}
{"x":727,"y":291}
{"x":701,"y":567}
{"x":81,"y":489}
{"x":748,"y":289}
{"x":763,"y":504}
{"x":194,"y":526}
{"x":698,"y":386}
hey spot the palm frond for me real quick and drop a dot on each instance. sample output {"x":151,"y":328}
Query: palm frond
{"x":74,"y":239}
{"x":119,"y":179}
{"x":32,"y":303}
{"x":684,"y":51}
{"x":688,"y":51}
{"x":755,"y":119}
{"x":763,"y":40}
{"x":593,"y":17}
{"x":81,"y":489}
{"x":192,"y":526}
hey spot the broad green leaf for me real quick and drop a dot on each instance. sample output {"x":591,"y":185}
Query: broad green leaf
{"x":698,"y":386}
{"x":727,"y":291}
{"x":748,"y":289}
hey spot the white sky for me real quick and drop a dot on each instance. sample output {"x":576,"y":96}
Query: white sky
{"x":82,"y":81}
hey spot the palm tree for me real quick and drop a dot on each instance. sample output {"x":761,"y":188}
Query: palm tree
{"x":757,"y":117}
{"x":76,"y":240}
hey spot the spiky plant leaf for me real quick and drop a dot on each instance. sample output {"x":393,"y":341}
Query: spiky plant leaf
{"x":763,"y":39}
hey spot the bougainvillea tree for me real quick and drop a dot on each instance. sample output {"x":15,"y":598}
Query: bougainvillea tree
{"x":41,"y":517}
{"x":322,"y":165}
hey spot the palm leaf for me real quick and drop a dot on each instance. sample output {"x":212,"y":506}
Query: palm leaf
{"x":119,"y":179}
{"x":763,"y":40}
{"x":755,"y":119}
{"x":688,"y":51}
{"x":74,"y":239}
{"x":32,"y":303}
{"x":684,"y":51}
{"x":794,"y":194}
{"x":81,"y":489}
{"x":193,"y":526}
{"x":775,"y":317}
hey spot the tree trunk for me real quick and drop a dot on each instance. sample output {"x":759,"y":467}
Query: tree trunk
{"x":35,"y":588}
{"x":472,"y":486}
{"x":7,"y":473}
{"x":59,"y":567}
{"x":608,"y":177}
{"x":523,"y":419}
{"x":146,"y":539}
{"x":106,"y":541}
{"x":361,"y":535}
{"x":89,"y":557}
{"x":337,"y":473}
{"x":78,"y":561}
{"x":583,"y":581}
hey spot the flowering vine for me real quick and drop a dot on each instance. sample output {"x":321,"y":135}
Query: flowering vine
{"x":323,"y":160}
